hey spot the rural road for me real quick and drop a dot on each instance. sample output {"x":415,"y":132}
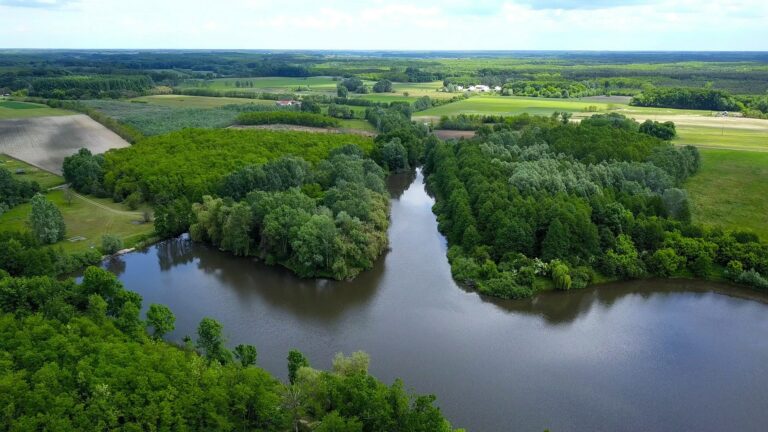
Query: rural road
{"x":98,"y":204}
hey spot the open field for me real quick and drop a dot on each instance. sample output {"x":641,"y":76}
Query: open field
{"x":45,"y":141}
{"x":731,"y":190}
{"x":183,"y":101}
{"x":266,"y":84}
{"x":510,"y":105}
{"x":357,"y":124}
{"x":725,"y":138}
{"x":15,"y":110}
{"x":297,"y":128}
{"x":44,"y":178}
{"x":86,"y":217}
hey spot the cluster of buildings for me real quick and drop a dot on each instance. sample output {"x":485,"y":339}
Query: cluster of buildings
{"x":480,"y":88}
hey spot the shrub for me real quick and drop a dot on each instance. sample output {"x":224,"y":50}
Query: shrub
{"x":110,"y":244}
{"x":581,"y":277}
{"x":753,"y":279}
{"x":505,"y":286}
{"x":666,"y":262}
{"x":561,"y":276}
{"x":733,"y":270}
{"x":286,"y":117}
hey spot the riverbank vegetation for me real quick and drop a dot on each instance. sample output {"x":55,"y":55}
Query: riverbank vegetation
{"x":574,"y":203}
{"x":329,"y":220}
{"x":93,"y":353}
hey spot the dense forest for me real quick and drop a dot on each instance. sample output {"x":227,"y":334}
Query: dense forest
{"x":78,"y":356}
{"x":192,"y":162}
{"x":543,"y":199}
{"x":687,"y":98}
{"x":328,"y":220}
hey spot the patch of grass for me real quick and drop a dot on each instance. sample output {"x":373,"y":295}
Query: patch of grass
{"x":731,"y":190}
{"x":385,"y":97}
{"x":183,"y":101}
{"x":11,"y":104}
{"x":266,"y":84}
{"x":357,"y":124}
{"x":90,"y":218}
{"x":32,"y":173}
{"x":726,"y":138}
{"x":12,"y":109}
{"x":510,"y":105}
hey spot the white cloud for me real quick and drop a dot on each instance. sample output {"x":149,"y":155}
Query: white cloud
{"x":379,"y":24}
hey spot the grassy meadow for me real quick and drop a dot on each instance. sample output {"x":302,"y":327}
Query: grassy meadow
{"x":86,"y":216}
{"x":183,"y":101}
{"x":45,"y":179}
{"x":731,"y":190}
{"x":10,"y":109}
{"x":266,"y":84}
{"x":511,"y":105}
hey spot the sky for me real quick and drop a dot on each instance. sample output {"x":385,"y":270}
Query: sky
{"x":692,"y":25}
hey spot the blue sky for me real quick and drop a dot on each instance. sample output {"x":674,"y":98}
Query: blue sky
{"x":393,"y":24}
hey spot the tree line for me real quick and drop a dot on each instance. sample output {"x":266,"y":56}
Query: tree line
{"x":287,"y":117}
{"x":560,"y":204}
{"x":687,"y":98}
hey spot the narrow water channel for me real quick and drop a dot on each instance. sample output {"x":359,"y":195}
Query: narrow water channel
{"x":640,"y":356}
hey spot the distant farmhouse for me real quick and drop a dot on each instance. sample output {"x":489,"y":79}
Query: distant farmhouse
{"x":287,"y":103}
{"x":479,"y":88}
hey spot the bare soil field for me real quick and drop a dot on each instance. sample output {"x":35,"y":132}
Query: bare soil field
{"x":446,"y":134}
{"x":45,"y":141}
{"x":286,"y":127}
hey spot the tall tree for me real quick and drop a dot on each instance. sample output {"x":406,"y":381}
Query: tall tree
{"x":296,"y":361}
{"x":211,"y":340}
{"x":46,"y":221}
{"x":161,"y":319}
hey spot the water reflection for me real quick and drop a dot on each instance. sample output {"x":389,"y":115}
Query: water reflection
{"x":637,"y":356}
{"x":559,"y":308}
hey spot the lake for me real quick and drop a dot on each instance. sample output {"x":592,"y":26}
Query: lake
{"x":653,"y":355}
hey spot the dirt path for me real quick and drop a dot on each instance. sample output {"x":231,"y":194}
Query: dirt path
{"x":97,"y":204}
{"x":107,"y":208}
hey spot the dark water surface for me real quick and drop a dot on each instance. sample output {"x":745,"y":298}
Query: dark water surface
{"x":641,"y":356}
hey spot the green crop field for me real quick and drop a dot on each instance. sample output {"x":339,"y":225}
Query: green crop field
{"x":10,"y":109}
{"x":726,"y":138}
{"x":183,"y":101}
{"x":266,"y":84}
{"x":510,"y":105}
{"x":730,"y":190}
{"x":43,"y":178}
